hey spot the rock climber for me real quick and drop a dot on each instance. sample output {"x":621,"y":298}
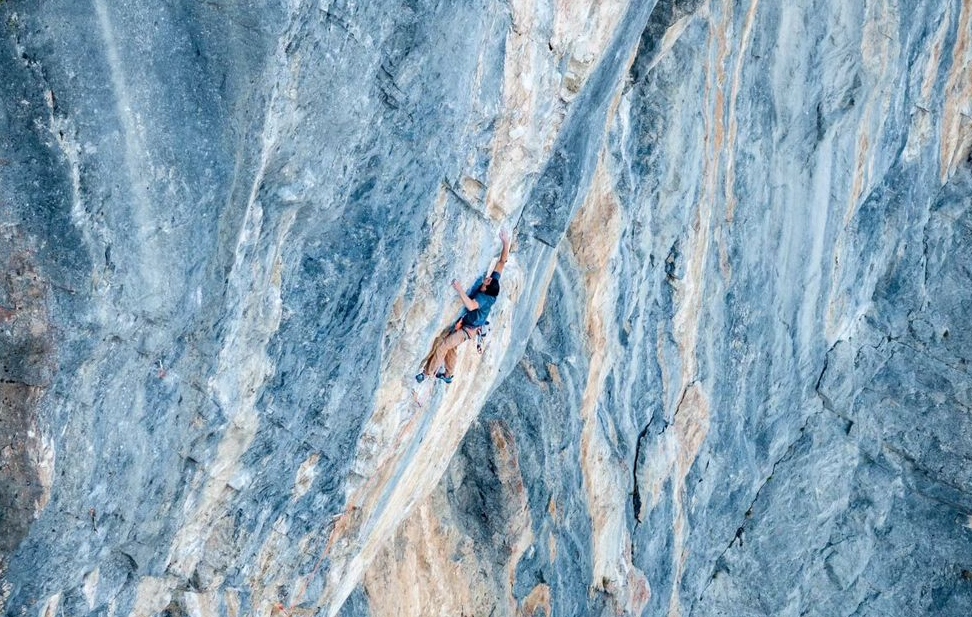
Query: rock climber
{"x":477,"y":312}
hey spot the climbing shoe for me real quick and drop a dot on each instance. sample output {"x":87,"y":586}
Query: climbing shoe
{"x":420,"y":377}
{"x":443,"y":377}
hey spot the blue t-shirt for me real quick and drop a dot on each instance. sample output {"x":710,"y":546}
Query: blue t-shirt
{"x":478,"y":317}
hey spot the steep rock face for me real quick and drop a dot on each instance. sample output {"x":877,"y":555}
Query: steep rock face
{"x":780,"y":177}
{"x":727,"y":374}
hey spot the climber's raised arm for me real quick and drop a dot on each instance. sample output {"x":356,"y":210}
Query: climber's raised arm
{"x":505,"y":237}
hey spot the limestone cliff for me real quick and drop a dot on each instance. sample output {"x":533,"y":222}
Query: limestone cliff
{"x":728,"y":370}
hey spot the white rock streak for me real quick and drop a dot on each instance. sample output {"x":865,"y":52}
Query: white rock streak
{"x":138,"y":167}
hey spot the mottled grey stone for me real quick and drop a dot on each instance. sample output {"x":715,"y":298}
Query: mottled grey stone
{"x":161,"y":162}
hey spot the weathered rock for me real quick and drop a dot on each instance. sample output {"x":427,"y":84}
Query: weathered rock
{"x":727,"y":372}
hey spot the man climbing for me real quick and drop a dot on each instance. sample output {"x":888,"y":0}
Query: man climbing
{"x":477,"y":312}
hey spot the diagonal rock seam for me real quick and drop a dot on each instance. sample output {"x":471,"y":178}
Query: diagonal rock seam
{"x":786,"y":456}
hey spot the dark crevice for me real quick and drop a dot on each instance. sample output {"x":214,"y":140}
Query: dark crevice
{"x":636,"y":492}
{"x":827,"y":403}
{"x":924,"y":253}
{"x":671,"y":264}
{"x":664,"y":15}
{"x":20,"y":382}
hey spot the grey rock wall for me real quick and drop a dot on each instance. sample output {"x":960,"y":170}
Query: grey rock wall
{"x":727,"y":373}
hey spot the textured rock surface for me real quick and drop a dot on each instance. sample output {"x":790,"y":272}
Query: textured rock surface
{"x":729,"y":369}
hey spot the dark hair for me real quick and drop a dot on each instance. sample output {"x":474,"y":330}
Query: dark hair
{"x":492,"y":288}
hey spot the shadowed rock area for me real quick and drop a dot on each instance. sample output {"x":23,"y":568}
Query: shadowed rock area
{"x":727,"y":372}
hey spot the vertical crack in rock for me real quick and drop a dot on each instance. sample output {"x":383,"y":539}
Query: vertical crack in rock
{"x":636,"y":499}
{"x":825,"y":398}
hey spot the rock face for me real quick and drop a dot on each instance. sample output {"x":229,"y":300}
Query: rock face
{"x":728,"y":370}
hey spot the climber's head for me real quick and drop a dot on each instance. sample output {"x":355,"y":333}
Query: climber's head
{"x":490,"y":286}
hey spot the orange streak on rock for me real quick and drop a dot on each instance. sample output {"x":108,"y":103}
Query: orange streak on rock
{"x":744,"y":41}
{"x":539,"y":599}
{"x":957,"y":112}
{"x":520,"y":523}
{"x":860,"y":176}
{"x":690,"y":429}
{"x":935,"y":57}
{"x":431,"y":568}
{"x":427,"y":569}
